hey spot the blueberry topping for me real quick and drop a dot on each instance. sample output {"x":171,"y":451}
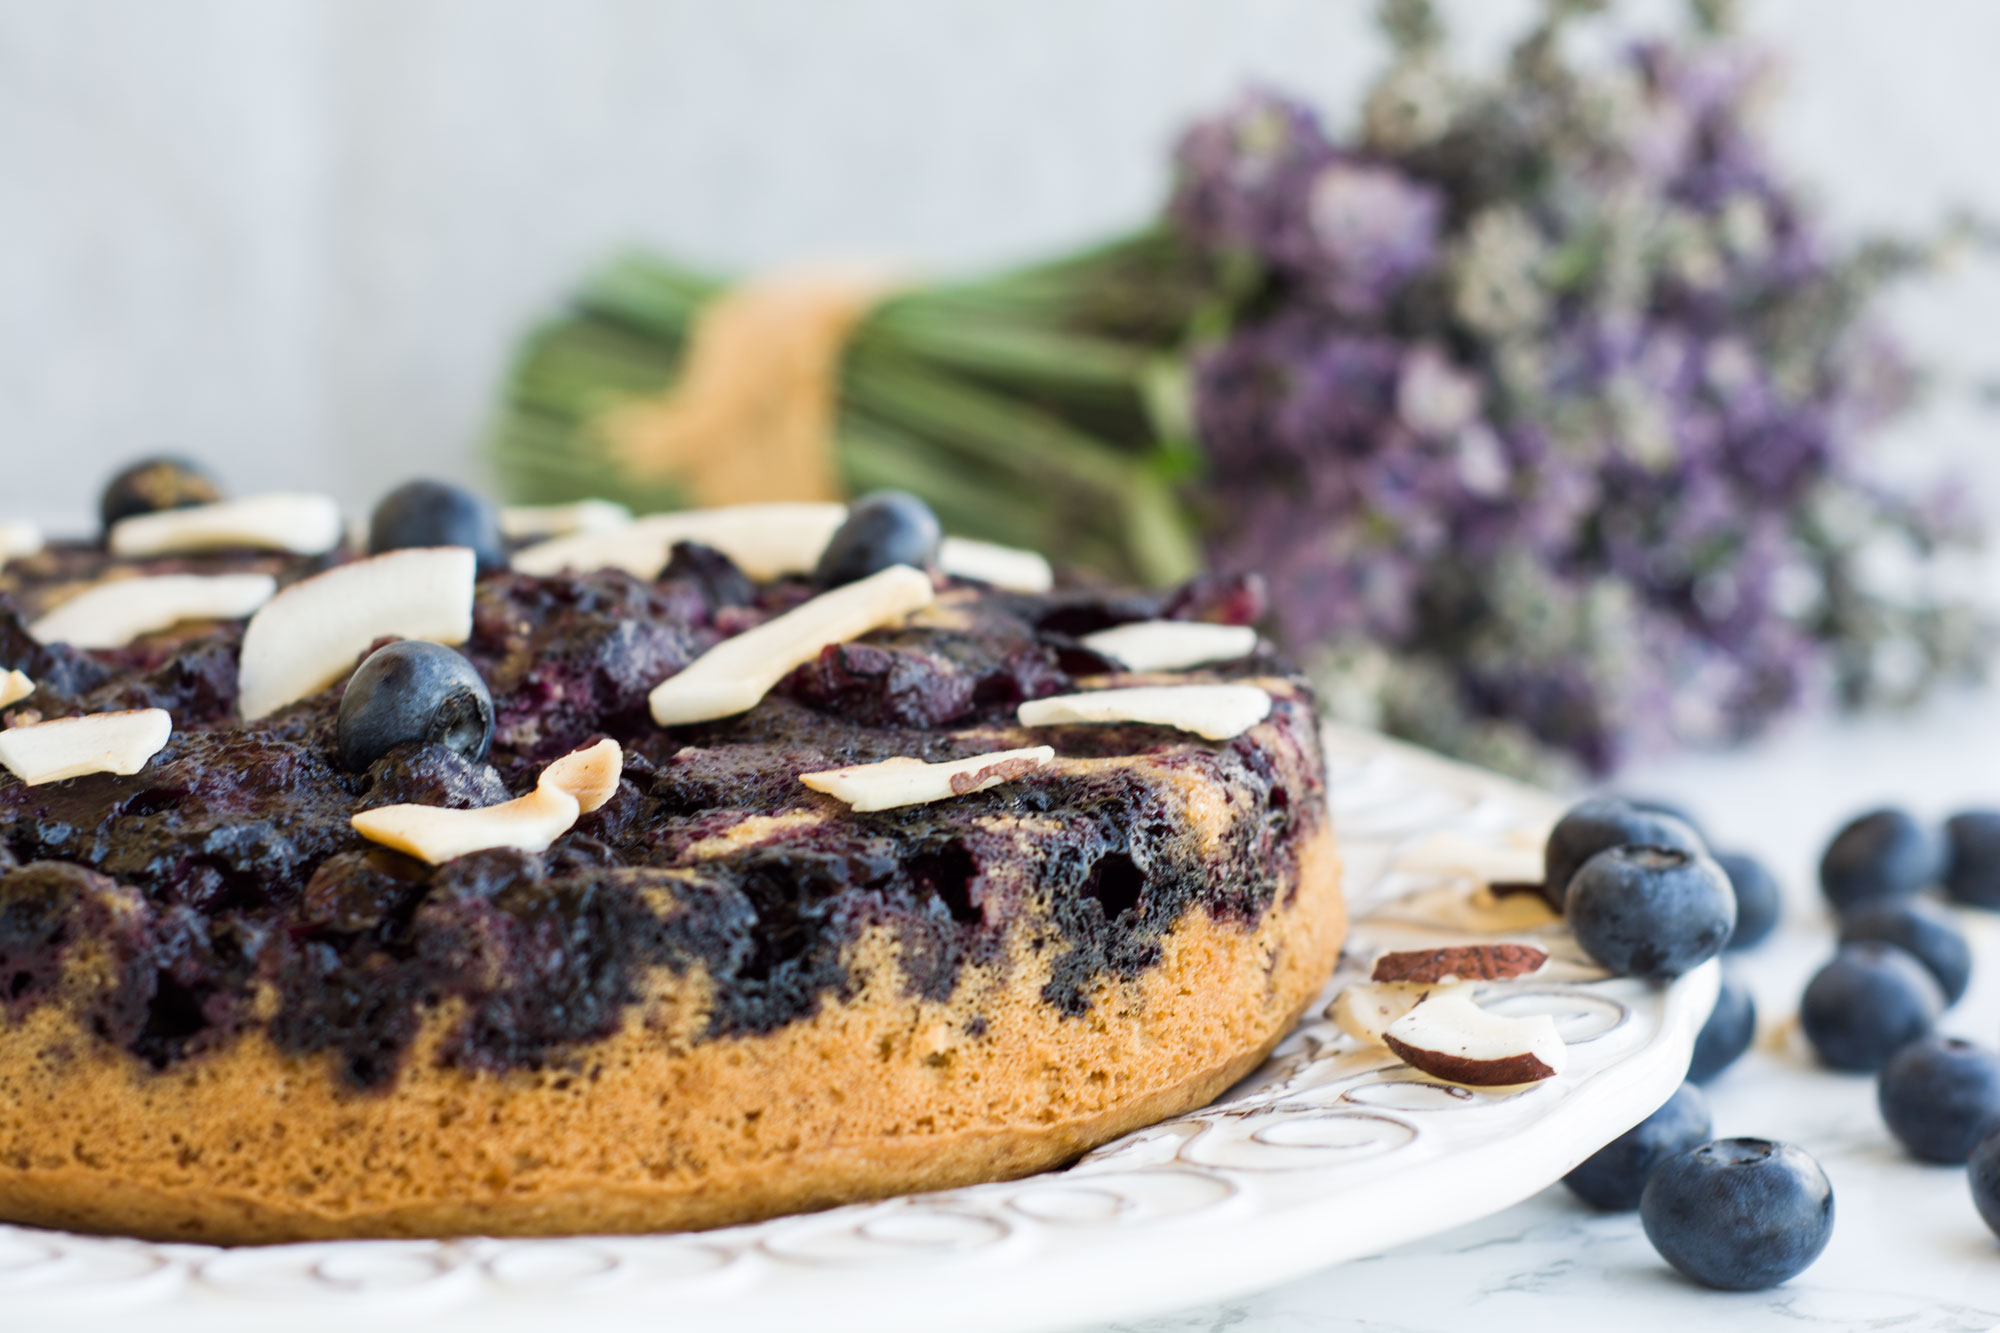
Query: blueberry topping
{"x":1651,"y":912}
{"x":1730,"y":1028}
{"x":1972,"y":857}
{"x":153,"y":484}
{"x":1759,"y":901}
{"x":1868,"y":1003}
{"x":413,"y":691}
{"x":883,"y":528}
{"x":1940,"y":1097}
{"x":1926,"y":932}
{"x":1983,"y":1174}
{"x":1739,"y":1214}
{"x":1882,"y":854}
{"x":1614,"y":1177}
{"x":1597,"y":825}
{"x":437,"y":513}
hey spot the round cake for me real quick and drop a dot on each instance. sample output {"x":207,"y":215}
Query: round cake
{"x":962,"y":893}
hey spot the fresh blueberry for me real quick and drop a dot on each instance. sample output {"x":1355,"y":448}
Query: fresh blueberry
{"x":1940,"y":1097}
{"x":411,"y":690}
{"x":153,"y":484}
{"x":1730,"y":1028}
{"x":1614,"y":1177}
{"x":1984,"y":1175}
{"x":1651,"y":912}
{"x":1658,"y":805}
{"x":1868,"y":1003}
{"x":437,"y":513}
{"x":1925,"y":931}
{"x":1739,"y":1214}
{"x":1882,"y":854}
{"x":1972,"y":857}
{"x":883,"y":528}
{"x":1598,"y":824}
{"x":1758,"y":898}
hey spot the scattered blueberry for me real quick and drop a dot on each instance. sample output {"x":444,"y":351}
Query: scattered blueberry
{"x":1651,"y":912}
{"x":1596,"y":825}
{"x":1868,"y":1003}
{"x":437,"y":513}
{"x":1730,"y":1028}
{"x":411,"y":690}
{"x":1758,"y":898}
{"x":1739,"y":1214}
{"x":1655,"y":805}
{"x":1940,"y":1097}
{"x":1926,"y":932}
{"x":153,"y":484}
{"x":1614,"y":1177}
{"x":1984,"y":1176}
{"x":883,"y":528}
{"x":1882,"y":854}
{"x":1972,"y":857}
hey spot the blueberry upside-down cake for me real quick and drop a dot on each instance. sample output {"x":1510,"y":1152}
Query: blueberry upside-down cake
{"x":550,"y":871}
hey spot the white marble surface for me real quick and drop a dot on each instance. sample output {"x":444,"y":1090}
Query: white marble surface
{"x":1908,"y":1251}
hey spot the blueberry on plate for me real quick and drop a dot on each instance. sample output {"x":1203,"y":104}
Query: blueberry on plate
{"x":1614,"y":1177}
{"x":153,"y":484}
{"x":1871,"y":1001}
{"x":1882,"y":854}
{"x":1730,"y":1028}
{"x":437,"y":513}
{"x":1651,"y":912}
{"x":1940,"y":1097}
{"x":1972,"y":857}
{"x":1926,"y":932}
{"x":1739,"y":1214}
{"x":1983,"y":1173}
{"x":1596,"y":825}
{"x":883,"y":528}
{"x":1759,"y":901}
{"x":408,"y":691}
{"x":1657,"y":805}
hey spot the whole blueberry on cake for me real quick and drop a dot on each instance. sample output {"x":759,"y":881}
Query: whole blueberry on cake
{"x":551,"y":871}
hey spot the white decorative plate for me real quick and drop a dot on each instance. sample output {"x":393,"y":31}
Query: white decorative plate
{"x":1331,"y":1151}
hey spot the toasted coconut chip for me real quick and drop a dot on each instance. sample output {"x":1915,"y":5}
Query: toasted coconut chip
{"x":309,"y":635}
{"x":567,"y":789}
{"x":1217,"y":712}
{"x":907,"y":781}
{"x":1447,"y":1036}
{"x":1172,"y":645}
{"x":765,"y":541}
{"x":523,"y":522}
{"x":113,"y":613}
{"x":299,"y":524}
{"x":1006,"y":567}
{"x":1365,"y":1009}
{"x":71,"y":747}
{"x":14,"y":687}
{"x":1461,"y":962}
{"x":590,"y":774}
{"x":732,"y":676}
{"x":18,"y":537}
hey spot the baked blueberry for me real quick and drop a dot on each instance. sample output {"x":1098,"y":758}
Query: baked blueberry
{"x":1730,"y":1028}
{"x":1983,"y":1173}
{"x":1758,"y":898}
{"x":437,"y":513}
{"x":1972,"y":857}
{"x":1614,"y":1177}
{"x":167,"y":481}
{"x":1940,"y":1097}
{"x":1868,"y":1003}
{"x":1882,"y":854}
{"x":1739,"y":1214}
{"x":1925,"y":931}
{"x":883,"y":528}
{"x":1651,"y":912}
{"x":1596,"y":825}
{"x":408,"y":691}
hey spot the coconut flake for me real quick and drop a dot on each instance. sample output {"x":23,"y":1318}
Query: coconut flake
{"x":1215,"y":711}
{"x":766,"y":541}
{"x":70,"y":747}
{"x":732,"y":676}
{"x":1006,"y":567}
{"x":309,"y":635}
{"x":525,"y":522}
{"x":569,"y":787}
{"x":1447,"y":1036}
{"x":18,"y":537}
{"x":907,"y":781}
{"x":590,"y":775}
{"x":113,"y":613}
{"x":14,"y":687}
{"x":1366,"y":1009}
{"x":1172,"y":645}
{"x":295,"y":523}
